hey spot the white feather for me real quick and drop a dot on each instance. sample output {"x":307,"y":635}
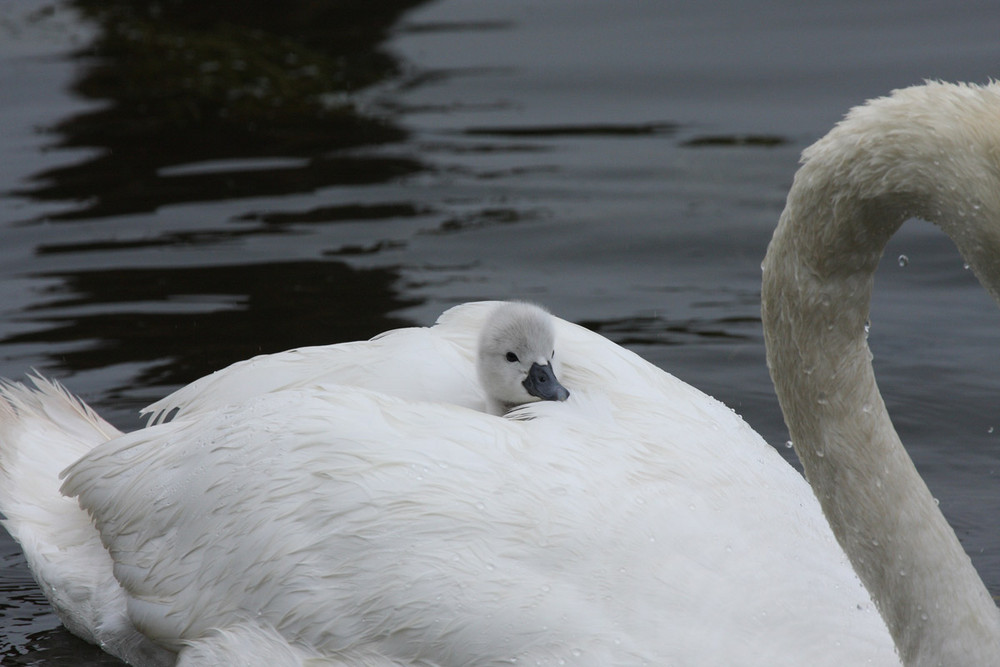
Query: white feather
{"x":427,"y":532}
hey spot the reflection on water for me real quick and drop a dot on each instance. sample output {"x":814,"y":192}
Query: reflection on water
{"x":205,"y":102}
{"x":657,"y":330}
{"x":188,"y":82}
{"x":601,"y":130}
{"x":152,"y":315}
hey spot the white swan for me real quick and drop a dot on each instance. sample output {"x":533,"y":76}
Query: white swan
{"x":640,"y":522}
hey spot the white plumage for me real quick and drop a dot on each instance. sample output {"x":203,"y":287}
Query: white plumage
{"x":281,"y":522}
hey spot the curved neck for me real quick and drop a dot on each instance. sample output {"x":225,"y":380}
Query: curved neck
{"x":879,"y":167}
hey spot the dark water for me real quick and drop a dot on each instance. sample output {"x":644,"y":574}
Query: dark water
{"x":187,"y":184}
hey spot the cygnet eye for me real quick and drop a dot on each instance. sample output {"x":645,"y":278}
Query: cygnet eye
{"x":511,"y":357}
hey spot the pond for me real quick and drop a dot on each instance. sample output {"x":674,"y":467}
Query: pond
{"x":187,"y":184}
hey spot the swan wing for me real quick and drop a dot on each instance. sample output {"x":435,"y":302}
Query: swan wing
{"x":348,"y":520}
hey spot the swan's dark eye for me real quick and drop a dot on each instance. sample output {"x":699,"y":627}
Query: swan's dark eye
{"x":511,"y":357}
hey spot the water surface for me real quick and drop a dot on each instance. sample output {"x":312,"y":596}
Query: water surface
{"x":188,"y":186}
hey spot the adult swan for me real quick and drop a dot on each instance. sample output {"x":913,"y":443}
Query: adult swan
{"x":639,"y":522}
{"x":931,"y":152}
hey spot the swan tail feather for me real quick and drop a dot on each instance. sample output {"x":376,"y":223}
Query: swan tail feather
{"x":264,"y":645}
{"x":44,"y":429}
{"x":231,"y":646}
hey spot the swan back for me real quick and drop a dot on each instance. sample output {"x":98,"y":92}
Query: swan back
{"x":430,"y":534}
{"x":515,"y":359}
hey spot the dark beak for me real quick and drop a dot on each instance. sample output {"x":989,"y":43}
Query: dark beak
{"x":542,"y":383}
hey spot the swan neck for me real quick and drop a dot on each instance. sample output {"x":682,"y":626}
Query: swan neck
{"x":855,"y":189}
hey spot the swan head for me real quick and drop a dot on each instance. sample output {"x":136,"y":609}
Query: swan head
{"x":516,"y":356}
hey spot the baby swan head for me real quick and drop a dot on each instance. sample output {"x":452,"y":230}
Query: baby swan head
{"x":514,"y":362}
